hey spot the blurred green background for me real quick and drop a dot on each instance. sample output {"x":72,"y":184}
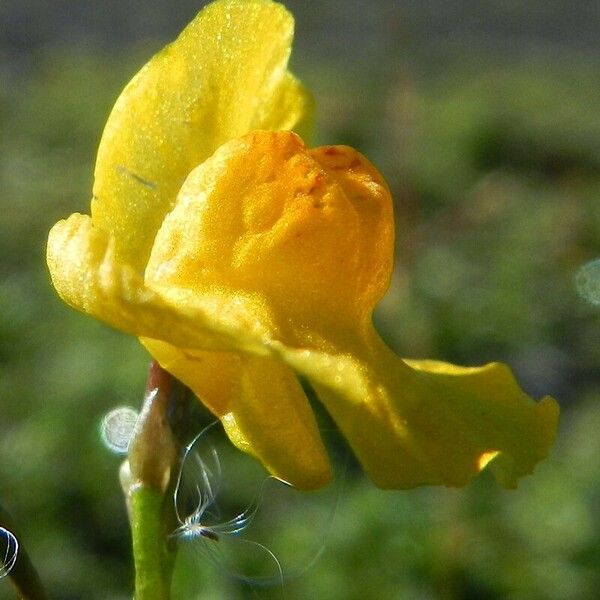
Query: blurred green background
{"x":484,"y":117}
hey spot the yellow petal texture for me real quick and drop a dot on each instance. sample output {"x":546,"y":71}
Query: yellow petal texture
{"x":225,"y":75}
{"x":409,"y":422}
{"x":307,"y":233}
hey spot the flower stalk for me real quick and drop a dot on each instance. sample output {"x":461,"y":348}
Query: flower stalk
{"x":153,"y":457}
{"x":152,"y":557}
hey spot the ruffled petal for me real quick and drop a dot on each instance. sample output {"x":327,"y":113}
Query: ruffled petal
{"x":225,"y":75}
{"x":261,"y":404}
{"x":412,"y":423}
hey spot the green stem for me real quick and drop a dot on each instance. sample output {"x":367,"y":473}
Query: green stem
{"x":154,"y":455}
{"x":153,"y":560}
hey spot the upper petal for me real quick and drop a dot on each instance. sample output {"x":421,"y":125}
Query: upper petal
{"x":308,"y":232}
{"x":224,"y":76}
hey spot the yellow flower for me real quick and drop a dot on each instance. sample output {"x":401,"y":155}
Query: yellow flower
{"x":241,"y":259}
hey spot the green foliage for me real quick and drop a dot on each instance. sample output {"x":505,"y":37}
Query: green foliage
{"x":496,"y":180}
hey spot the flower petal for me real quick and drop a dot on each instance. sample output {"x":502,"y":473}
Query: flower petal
{"x":309,"y":232}
{"x":425,"y":422}
{"x":87,"y":275}
{"x":224,"y":76}
{"x":261,"y":404}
